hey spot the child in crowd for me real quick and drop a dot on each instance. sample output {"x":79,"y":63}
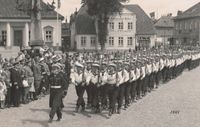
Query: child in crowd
{"x":2,"y":94}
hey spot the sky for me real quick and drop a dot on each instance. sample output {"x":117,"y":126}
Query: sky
{"x":161,"y":7}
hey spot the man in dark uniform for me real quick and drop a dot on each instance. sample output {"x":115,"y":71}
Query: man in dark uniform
{"x":16,"y":81}
{"x":37,"y":77}
{"x":58,"y":89}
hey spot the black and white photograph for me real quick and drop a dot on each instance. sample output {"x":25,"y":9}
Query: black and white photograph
{"x":99,"y":63}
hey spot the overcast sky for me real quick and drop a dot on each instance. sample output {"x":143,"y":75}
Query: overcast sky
{"x":160,"y":7}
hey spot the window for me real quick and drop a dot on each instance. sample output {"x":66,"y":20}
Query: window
{"x":180,"y":25}
{"x":130,"y":26}
{"x":121,"y":25}
{"x":130,"y":41}
{"x":4,"y":36}
{"x":121,"y":41}
{"x":48,"y":33}
{"x":111,"y":26}
{"x":93,"y":41}
{"x":191,"y":25}
{"x":111,"y":41}
{"x":83,"y":41}
{"x":185,"y":27}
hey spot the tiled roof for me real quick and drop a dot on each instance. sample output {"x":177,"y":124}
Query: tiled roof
{"x":194,"y":11}
{"x":8,"y":10}
{"x":85,"y":24}
{"x":165,"y":21}
{"x":144,"y":24}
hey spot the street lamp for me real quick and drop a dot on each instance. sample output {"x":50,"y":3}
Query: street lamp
{"x":33,"y":8}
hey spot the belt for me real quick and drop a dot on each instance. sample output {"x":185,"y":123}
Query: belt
{"x":56,"y":87}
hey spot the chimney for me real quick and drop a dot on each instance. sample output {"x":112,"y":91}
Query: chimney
{"x":169,"y":15}
{"x":179,"y":12}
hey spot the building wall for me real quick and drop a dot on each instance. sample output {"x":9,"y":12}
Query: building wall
{"x":126,"y":18}
{"x":187,"y":31}
{"x":87,"y":45}
{"x":73,"y":36}
{"x":145,"y":41}
{"x":164,"y":34}
{"x":56,"y":30}
{"x":24,"y":25}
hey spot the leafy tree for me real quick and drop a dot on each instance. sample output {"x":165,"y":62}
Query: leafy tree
{"x":101,"y":10}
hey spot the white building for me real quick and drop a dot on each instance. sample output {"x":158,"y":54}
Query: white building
{"x":15,"y":26}
{"x":121,"y":31}
{"x":124,"y":30}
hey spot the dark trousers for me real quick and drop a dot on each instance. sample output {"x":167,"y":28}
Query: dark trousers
{"x":56,"y":102}
{"x":95,"y":96}
{"x":133,"y":89}
{"x":88,"y":89}
{"x":15,"y":95}
{"x":127,"y":93}
{"x":112,"y":95}
{"x":80,"y":92}
{"x":104,"y":95}
{"x":37,"y":84}
{"x":151,"y":81}
{"x":121,"y":94}
{"x":8,"y":97}
{"x":143,"y":85}
{"x":138,"y":87}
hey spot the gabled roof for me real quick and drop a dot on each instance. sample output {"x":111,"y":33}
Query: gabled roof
{"x":165,"y":21}
{"x":144,"y":24}
{"x":85,"y":24}
{"x":194,"y":11}
{"x":8,"y":10}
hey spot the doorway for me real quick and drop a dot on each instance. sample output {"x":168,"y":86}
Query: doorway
{"x":18,"y":38}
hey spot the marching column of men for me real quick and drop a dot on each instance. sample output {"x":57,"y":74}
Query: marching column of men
{"x":114,"y":83}
{"x":111,"y":81}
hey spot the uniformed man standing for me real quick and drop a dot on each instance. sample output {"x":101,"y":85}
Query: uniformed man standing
{"x":58,"y":89}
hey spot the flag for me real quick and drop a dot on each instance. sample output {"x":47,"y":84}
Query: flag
{"x":59,"y":4}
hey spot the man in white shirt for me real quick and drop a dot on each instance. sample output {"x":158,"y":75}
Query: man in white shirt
{"x":95,"y":84}
{"x":79,"y":80}
{"x":112,"y":81}
{"x":104,"y":85}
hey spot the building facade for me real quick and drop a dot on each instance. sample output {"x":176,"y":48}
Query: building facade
{"x":15,"y":26}
{"x":121,"y":31}
{"x":145,"y":31}
{"x":164,"y":30}
{"x":187,"y":26}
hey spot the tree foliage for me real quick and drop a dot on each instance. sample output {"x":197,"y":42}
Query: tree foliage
{"x":101,"y":10}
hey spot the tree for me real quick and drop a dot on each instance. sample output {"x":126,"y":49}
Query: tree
{"x":101,"y":10}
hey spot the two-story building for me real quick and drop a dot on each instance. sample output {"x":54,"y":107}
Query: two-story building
{"x":187,"y":26}
{"x":15,"y":26}
{"x":145,"y":31}
{"x":121,"y":31}
{"x":164,"y":30}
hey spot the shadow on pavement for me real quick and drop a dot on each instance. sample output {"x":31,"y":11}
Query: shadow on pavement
{"x":69,"y":112}
{"x":43,"y":123}
{"x":40,"y":110}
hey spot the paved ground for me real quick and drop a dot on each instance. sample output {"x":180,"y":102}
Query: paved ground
{"x":176,"y":104}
